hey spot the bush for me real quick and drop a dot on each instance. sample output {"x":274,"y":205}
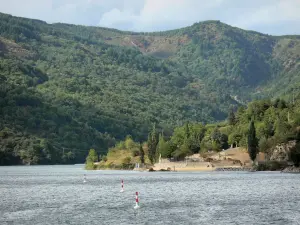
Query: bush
{"x":261,"y":167}
{"x":126,"y":163}
{"x":126,"y":160}
{"x":129,"y":143}
{"x":90,"y":166}
{"x":263,"y":144}
{"x":129,"y":166}
{"x":151,"y":170}
{"x":92,"y":156}
{"x":104,"y":158}
{"x":135,"y":152}
{"x":294,"y":155}
{"x":271,"y":166}
{"x":120,"y":145}
{"x":90,"y":159}
{"x":182,"y":152}
{"x":297,"y":133}
{"x":111,"y":165}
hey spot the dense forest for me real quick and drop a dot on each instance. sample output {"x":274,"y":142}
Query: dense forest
{"x":65,"y":89}
{"x":273,"y":123}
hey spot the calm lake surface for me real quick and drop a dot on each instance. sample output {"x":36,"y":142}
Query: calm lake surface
{"x":57,"y":195}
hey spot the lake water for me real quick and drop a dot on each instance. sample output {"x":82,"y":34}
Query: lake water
{"x":57,"y":195}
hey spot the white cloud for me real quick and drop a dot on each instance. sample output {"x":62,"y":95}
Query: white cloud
{"x":116,"y":16}
{"x":32,"y":8}
{"x":279,"y":11}
{"x":272,"y":16}
{"x":49,"y":10}
{"x":161,"y":14}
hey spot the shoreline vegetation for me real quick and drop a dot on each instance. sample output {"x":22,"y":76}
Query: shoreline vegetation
{"x":264,"y":136}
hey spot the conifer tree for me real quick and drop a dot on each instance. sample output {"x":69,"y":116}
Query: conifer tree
{"x":252,"y":142}
{"x":152,"y":143}
{"x":187,"y":130}
{"x":142,"y":154}
{"x":231,"y":117}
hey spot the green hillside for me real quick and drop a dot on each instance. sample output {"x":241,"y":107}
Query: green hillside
{"x":66,"y":88}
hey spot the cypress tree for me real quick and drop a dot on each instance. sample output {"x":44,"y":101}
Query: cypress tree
{"x":152,"y":143}
{"x":142,"y":154}
{"x":231,"y":117}
{"x":187,"y":130}
{"x":252,"y":142}
{"x":149,"y":144}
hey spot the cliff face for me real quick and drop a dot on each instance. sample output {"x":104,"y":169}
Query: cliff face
{"x":281,"y":152}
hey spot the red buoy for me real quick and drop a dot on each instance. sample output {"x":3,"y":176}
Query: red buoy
{"x":136,"y":201}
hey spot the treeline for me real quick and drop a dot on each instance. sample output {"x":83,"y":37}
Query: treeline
{"x":264,"y":123}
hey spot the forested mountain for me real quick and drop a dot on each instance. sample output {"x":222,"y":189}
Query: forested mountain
{"x":66,"y":88}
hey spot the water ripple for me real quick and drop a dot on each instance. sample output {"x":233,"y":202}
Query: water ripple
{"x":57,"y":195}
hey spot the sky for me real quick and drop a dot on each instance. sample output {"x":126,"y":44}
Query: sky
{"x":276,"y":17}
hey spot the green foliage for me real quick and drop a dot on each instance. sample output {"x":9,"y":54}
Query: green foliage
{"x":135,"y":152}
{"x":252,"y":141}
{"x":164,"y":148}
{"x":129,"y":143}
{"x":104,"y":158}
{"x":263,"y":144}
{"x":126,"y":163}
{"x":91,"y":159}
{"x":120,"y":145}
{"x":182,"y":152}
{"x":235,"y":138}
{"x":192,"y":138}
{"x":219,"y":140}
{"x":231,"y":117}
{"x":142,"y":154}
{"x":92,"y":156}
{"x":152,"y":144}
{"x":187,"y":136}
{"x":274,"y":124}
{"x":282,"y":127}
{"x":90,"y":165}
{"x":295,"y":155}
{"x":127,"y":160}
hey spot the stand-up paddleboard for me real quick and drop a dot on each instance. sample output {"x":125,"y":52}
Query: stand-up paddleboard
{"x":122,"y":186}
{"x":136,"y":201}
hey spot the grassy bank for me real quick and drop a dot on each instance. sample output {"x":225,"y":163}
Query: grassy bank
{"x":123,"y":156}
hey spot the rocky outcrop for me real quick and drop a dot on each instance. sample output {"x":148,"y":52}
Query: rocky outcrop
{"x":281,"y":152}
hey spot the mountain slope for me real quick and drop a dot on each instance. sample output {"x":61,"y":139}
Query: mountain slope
{"x":226,"y":57}
{"x":76,"y":87}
